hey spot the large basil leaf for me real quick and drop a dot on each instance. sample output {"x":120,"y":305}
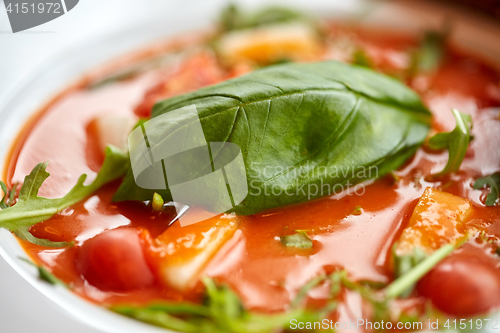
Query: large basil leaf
{"x":303,"y":127}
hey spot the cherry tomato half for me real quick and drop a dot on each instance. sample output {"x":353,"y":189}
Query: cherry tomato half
{"x":463,"y":285}
{"x":115,"y":261}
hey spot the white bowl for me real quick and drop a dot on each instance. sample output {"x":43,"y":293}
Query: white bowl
{"x":472,"y":33}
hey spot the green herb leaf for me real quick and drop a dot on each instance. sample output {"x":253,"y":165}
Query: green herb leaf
{"x":361,"y":58}
{"x":157,"y":202}
{"x":232,"y":18}
{"x":221,"y":311}
{"x":430,"y":55}
{"x":493,"y":182}
{"x":399,"y":286}
{"x":9,"y":196}
{"x":294,"y":121}
{"x":156,"y":317}
{"x":405,"y":263}
{"x":299,"y":240}
{"x":31,"y":209}
{"x":3,"y":203}
{"x":357,"y":211}
{"x":379,"y":303}
{"x":456,"y":141}
{"x":302,"y":294}
{"x":45,"y":275}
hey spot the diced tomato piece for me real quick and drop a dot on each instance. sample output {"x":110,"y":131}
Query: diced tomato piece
{"x":115,"y":261}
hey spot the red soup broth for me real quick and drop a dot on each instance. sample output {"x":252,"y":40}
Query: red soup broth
{"x":254,"y":263}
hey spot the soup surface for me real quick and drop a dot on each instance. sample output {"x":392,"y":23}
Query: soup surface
{"x":351,"y":230}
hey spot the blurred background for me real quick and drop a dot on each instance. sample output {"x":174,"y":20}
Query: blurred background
{"x":22,"y":55}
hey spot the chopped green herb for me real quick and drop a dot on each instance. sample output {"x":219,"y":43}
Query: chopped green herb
{"x":456,"y":141}
{"x":281,"y":61}
{"x":485,"y":238}
{"x":157,"y":317}
{"x":361,"y":58}
{"x":221,"y":311}
{"x":157,"y":202}
{"x":403,"y":264}
{"x":493,"y":182}
{"x":429,"y":56}
{"x":8,"y":195}
{"x":357,"y":211}
{"x":44,"y":274}
{"x":379,"y":304}
{"x":31,"y":209}
{"x":399,"y":286}
{"x":232,"y":18}
{"x":302,"y":294}
{"x":299,"y":240}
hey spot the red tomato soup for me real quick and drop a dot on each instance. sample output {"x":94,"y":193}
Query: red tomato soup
{"x":110,"y":262}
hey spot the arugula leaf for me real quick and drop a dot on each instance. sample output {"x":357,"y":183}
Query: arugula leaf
{"x":429,"y":56}
{"x":376,"y":299}
{"x":44,"y":274}
{"x":3,"y":203}
{"x":493,"y":182}
{"x":8,"y":195}
{"x":31,"y":209}
{"x":456,"y":141}
{"x":294,"y":121}
{"x":302,"y":294}
{"x":404,"y":263}
{"x":399,"y":286}
{"x":299,"y":240}
{"x":222,"y":311}
{"x":232,"y":18}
